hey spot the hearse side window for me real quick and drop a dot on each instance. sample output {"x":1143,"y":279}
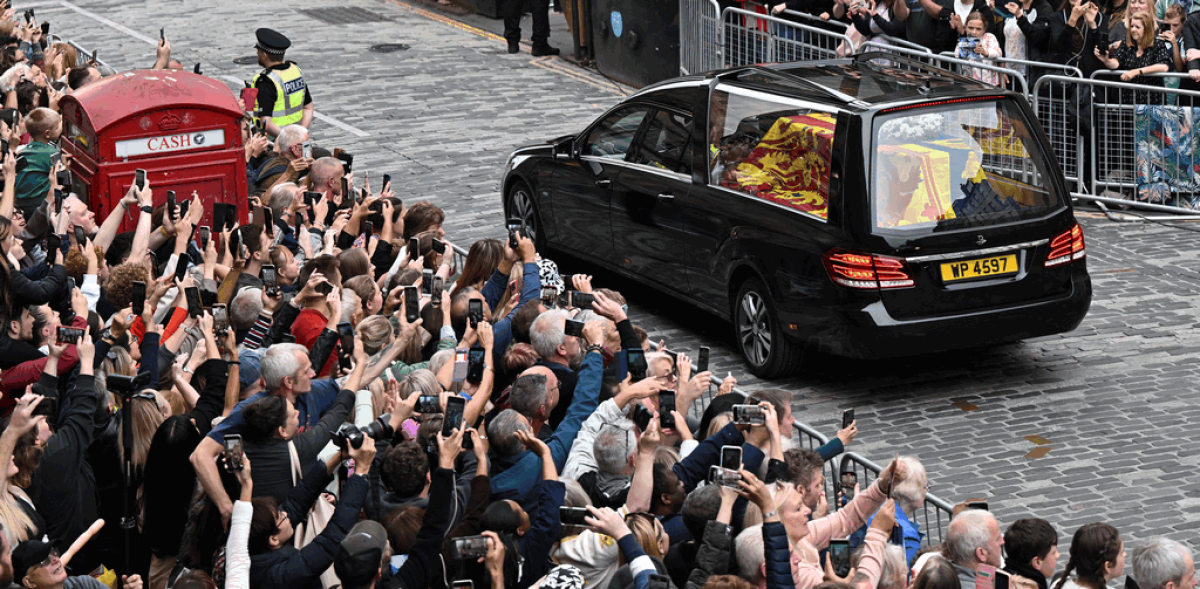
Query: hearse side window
{"x":667,"y":143}
{"x":772,"y":150}
{"x":958,"y":166}
{"x":613,"y":136}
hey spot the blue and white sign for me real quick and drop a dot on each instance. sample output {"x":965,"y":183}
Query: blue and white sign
{"x":618,"y":26}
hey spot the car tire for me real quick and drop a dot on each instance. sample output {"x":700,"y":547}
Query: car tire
{"x":767,"y":352}
{"x":520,"y":205}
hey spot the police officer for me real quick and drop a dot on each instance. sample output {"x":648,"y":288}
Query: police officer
{"x":283,"y":97}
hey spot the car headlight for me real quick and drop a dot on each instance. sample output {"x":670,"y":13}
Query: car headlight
{"x":514,"y":160}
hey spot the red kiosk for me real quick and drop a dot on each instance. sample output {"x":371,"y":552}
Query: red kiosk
{"x":183,"y":129}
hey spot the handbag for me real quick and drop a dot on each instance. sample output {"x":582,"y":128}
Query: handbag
{"x":314,"y":523}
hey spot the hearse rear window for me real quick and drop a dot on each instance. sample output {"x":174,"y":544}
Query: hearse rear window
{"x":771,"y":150}
{"x":957,"y":166}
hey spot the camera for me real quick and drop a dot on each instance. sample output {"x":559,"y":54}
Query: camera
{"x":351,"y":436}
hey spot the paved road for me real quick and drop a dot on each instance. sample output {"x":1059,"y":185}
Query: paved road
{"x":1115,"y":398}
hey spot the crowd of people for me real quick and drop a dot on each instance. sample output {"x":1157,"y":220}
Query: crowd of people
{"x":1137,"y":37}
{"x":321,"y":398}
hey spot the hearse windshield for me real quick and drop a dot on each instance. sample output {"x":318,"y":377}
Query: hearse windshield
{"x":957,"y":166}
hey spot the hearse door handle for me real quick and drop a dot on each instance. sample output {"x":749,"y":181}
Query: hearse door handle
{"x":605,"y":183}
{"x":666,"y":196}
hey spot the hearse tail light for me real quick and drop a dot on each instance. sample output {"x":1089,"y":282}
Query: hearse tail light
{"x":866,"y":271}
{"x":1067,"y":247}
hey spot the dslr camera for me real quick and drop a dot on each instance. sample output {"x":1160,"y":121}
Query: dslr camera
{"x":351,"y":436}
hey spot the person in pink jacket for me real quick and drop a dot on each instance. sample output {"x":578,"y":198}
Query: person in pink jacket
{"x":808,"y":538}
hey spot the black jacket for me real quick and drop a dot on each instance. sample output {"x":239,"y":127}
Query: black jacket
{"x":272,"y":471}
{"x":417,"y":570}
{"x":1063,"y":38}
{"x":289,"y":567}
{"x":64,"y":488}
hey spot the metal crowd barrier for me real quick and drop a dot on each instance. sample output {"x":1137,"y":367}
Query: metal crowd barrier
{"x":1123,"y":168}
{"x":750,"y":37}
{"x":884,"y":43}
{"x":85,"y":56}
{"x":701,"y":41}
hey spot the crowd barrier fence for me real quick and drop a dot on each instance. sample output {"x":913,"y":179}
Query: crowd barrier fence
{"x":701,"y":45}
{"x":750,"y":37}
{"x":1141,"y":139}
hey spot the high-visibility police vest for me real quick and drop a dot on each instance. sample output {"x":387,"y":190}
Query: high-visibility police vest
{"x":289,"y":94}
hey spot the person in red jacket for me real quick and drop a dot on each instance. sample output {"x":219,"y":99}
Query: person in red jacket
{"x":316,"y":314}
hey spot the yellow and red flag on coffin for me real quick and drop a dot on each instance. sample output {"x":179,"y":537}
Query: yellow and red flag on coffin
{"x":932,"y":200}
{"x":790,"y":166}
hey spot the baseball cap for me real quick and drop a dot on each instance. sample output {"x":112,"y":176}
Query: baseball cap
{"x":248,"y":371}
{"x":361,"y":553}
{"x":27,"y":554}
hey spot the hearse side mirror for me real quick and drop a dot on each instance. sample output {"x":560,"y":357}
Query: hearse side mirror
{"x":565,"y":148}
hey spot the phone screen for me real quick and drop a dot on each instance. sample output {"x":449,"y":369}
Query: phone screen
{"x":233,"y":453}
{"x":80,"y":238}
{"x":139,"y":298}
{"x":139,"y":178}
{"x":203,"y":235}
{"x":414,"y":248}
{"x":454,"y":415}
{"x":218,"y":212}
{"x":731,"y":457}
{"x":666,"y":404}
{"x":269,"y":219}
{"x":346,"y":332}
{"x":180,"y":268}
{"x":637,"y":364}
{"x":427,"y":282}
{"x":345,"y":187}
{"x":572,"y":516}
{"x":475,"y":311}
{"x":171,"y":204}
{"x":847,"y":418}
{"x":53,"y":245}
{"x":69,"y":335}
{"x":195,"y":304}
{"x":220,"y":318}
{"x":702,"y":360}
{"x":839,"y":551}
{"x":475,"y":365}
{"x":412,"y":309}
{"x":573,"y":328}
{"x":268,"y":275}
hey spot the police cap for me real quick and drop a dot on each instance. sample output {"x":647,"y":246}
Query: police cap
{"x":271,"y":41}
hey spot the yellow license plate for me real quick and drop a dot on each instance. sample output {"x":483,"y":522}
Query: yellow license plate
{"x":979,"y":268}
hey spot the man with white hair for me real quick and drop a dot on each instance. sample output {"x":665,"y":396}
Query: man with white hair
{"x":973,"y":539}
{"x":1163,"y":563}
{"x":288,"y":163}
{"x":559,"y":352}
{"x":287,"y":371}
